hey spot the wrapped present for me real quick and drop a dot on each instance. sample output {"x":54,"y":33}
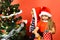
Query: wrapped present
{"x":47,"y":36}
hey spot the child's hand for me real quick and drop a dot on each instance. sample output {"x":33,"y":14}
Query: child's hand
{"x":50,"y":31}
{"x":37,"y":35}
{"x":34,"y":32}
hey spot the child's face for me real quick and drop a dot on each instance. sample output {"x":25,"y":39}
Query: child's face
{"x":44,"y":17}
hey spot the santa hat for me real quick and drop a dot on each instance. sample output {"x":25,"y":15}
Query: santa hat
{"x":45,"y":11}
{"x":36,"y":11}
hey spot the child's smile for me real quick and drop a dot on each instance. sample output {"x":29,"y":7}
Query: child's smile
{"x":44,"y":17}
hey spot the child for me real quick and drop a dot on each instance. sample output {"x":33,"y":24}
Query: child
{"x":45,"y":25}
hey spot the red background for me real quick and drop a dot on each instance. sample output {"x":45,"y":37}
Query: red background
{"x":26,"y":6}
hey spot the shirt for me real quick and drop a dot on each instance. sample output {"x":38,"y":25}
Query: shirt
{"x":42,"y":26}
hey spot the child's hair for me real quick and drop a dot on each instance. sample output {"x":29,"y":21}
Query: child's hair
{"x":51,"y":24}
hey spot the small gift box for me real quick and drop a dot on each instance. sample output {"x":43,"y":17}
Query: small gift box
{"x":47,"y":36}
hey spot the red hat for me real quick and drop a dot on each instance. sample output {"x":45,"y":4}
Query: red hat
{"x":36,"y":11}
{"x":45,"y":11}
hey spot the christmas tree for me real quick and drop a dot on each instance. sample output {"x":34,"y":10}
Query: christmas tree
{"x":6,"y":8}
{"x":9,"y":28}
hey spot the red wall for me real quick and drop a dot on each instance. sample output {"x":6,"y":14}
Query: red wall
{"x":26,"y":6}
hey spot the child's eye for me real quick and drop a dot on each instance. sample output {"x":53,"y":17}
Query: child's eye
{"x":42,"y":15}
{"x":45,"y":15}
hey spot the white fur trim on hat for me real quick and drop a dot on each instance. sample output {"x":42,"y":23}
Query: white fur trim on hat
{"x":45,"y":13}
